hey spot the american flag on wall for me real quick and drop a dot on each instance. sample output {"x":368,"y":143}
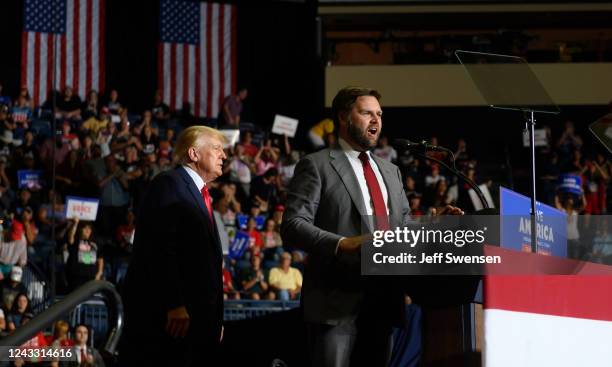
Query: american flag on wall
{"x":72,"y":32}
{"x":197,"y":55}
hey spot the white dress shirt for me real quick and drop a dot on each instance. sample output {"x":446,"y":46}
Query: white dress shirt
{"x":195,"y":177}
{"x":357,"y":165}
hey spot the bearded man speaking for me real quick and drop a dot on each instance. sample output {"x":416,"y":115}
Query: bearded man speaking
{"x":336,"y":197}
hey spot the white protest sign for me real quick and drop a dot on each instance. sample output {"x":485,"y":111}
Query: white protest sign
{"x":284,"y":125}
{"x":82,"y":208}
{"x":231,"y":137}
{"x":540,"y":138}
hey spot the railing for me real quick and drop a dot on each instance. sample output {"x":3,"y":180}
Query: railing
{"x":236,"y":310}
{"x":63,"y":307}
{"x":36,"y":282}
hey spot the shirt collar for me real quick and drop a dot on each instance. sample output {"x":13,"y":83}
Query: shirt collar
{"x":195,"y":177}
{"x":348,"y":149}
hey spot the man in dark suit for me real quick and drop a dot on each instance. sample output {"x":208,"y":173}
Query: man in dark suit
{"x":174,"y":292}
{"x":336,"y":196}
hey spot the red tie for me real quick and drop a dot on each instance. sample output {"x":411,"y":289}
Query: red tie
{"x":206,"y":197}
{"x":380,"y":209}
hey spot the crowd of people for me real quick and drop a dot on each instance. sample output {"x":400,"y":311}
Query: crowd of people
{"x":102,"y":151}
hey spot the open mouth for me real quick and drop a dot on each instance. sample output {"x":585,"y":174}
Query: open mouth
{"x":372,"y":131}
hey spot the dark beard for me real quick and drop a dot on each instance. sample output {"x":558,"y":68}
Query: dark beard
{"x":359,"y":137}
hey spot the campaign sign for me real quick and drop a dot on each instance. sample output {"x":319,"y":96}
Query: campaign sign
{"x":284,"y":125}
{"x":30,"y":179}
{"x":260,"y":221}
{"x":82,"y":208}
{"x":231,"y":137}
{"x":242,"y":219}
{"x":239,"y":245}
{"x":540,"y":138}
{"x":551,"y":225}
{"x":570,"y":183}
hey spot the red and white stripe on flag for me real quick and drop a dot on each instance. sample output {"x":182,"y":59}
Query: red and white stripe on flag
{"x":197,"y":55}
{"x":72,"y":33}
{"x":552,"y":320}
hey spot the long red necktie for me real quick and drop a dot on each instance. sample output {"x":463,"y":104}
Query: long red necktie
{"x":380,"y":209}
{"x":83,"y":357}
{"x":207,"y":201}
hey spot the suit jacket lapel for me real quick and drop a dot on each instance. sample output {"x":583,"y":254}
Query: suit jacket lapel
{"x":343,"y":167}
{"x":197,"y":197}
{"x":193,"y":190}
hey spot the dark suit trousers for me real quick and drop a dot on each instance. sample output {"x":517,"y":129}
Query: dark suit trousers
{"x":200,"y":347}
{"x":349,"y":345}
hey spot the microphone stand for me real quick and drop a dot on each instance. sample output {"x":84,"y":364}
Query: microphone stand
{"x":459,"y":174}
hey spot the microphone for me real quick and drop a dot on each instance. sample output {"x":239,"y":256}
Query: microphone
{"x":423,"y":145}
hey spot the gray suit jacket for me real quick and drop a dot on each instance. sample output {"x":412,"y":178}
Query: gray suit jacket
{"x":325,"y":204}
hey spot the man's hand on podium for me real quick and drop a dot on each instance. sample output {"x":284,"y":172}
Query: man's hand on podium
{"x":352,"y":244}
{"x":447,"y":210}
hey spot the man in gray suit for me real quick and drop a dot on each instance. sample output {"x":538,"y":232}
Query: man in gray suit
{"x":337,"y":197}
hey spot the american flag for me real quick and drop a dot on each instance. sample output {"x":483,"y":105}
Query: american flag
{"x":197,"y":55}
{"x":72,"y":32}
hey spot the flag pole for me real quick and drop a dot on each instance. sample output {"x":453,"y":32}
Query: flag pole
{"x":52,"y":277}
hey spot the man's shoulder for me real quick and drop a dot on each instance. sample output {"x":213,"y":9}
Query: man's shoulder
{"x":385,"y":163}
{"x":169,"y":177}
{"x":320,"y":156}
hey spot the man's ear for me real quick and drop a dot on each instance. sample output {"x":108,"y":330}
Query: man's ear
{"x":192,"y":154}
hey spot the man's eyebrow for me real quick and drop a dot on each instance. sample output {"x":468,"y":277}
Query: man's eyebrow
{"x":378,"y":112}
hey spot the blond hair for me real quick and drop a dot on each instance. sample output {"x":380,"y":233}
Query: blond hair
{"x":60,"y":328}
{"x":189,"y":137}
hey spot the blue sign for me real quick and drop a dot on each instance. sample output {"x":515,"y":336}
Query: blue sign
{"x":260,"y":221}
{"x":30,"y":179}
{"x":570,"y":183}
{"x":239,"y":245}
{"x":551,"y":225}
{"x":243,"y":220}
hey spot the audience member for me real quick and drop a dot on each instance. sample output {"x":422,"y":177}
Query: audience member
{"x":91,"y":106}
{"x":319,"y":131}
{"x":229,"y":291}
{"x":385,"y":151}
{"x":85,"y":261}
{"x":272,"y":241}
{"x":285,"y":280}
{"x":263,"y":190}
{"x":160,"y":110}
{"x":68,"y":107}
{"x":12,"y":286}
{"x":86,"y":355}
{"x":21,"y":308}
{"x":266,"y":158}
{"x":253,"y":281}
{"x":113,"y":103}
{"x":231,"y":109}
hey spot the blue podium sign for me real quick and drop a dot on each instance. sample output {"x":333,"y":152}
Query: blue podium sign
{"x":551,"y":225}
